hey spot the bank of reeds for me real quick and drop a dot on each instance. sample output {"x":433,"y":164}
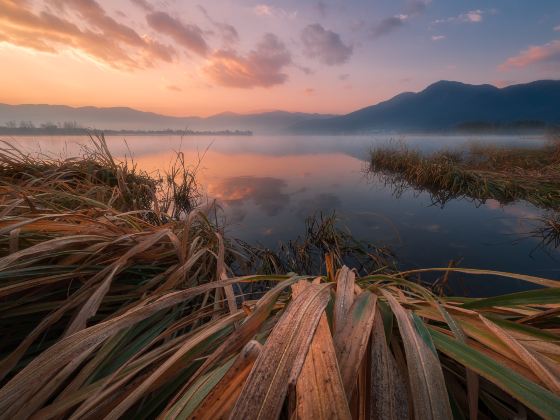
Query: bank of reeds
{"x":505,"y":174}
{"x":110,"y":307}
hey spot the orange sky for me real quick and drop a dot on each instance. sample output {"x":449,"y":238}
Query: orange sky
{"x":179,"y":58}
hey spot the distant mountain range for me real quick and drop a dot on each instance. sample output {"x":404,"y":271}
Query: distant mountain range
{"x":447,"y":105}
{"x":443,"y":105}
{"x":118,"y":118}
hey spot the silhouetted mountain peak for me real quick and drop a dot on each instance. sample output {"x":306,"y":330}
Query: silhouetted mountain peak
{"x":448,"y":104}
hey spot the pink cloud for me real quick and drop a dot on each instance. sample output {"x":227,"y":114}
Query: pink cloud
{"x":187,"y":35}
{"x":99,"y":35}
{"x":547,"y":53}
{"x":324,"y":45}
{"x":261,"y":67}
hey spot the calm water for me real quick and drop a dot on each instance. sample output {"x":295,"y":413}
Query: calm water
{"x":268,"y":185}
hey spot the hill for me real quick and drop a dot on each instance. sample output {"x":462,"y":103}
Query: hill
{"x":122,"y":118}
{"x":447,"y":105}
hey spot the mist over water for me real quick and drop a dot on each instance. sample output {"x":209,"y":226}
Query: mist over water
{"x":268,"y":185}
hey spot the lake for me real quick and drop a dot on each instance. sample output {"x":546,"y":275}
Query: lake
{"x":268,"y":185}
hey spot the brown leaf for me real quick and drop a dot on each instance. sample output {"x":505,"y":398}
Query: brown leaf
{"x":319,"y":391}
{"x":344,"y":296}
{"x":352,"y":339}
{"x":388,"y":389}
{"x":283,"y":356}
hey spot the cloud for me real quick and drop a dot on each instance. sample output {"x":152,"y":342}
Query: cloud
{"x":99,"y":36}
{"x":344,"y":76}
{"x":143,"y":4}
{"x":186,"y":35}
{"x":388,"y":25}
{"x":321,"y":8}
{"x":416,"y":7}
{"x":412,"y":9}
{"x":227,"y":32}
{"x":261,"y":67}
{"x":472,"y":16}
{"x":557,"y":28}
{"x":324,"y":45}
{"x":267,"y":10}
{"x":266,"y":192}
{"x":309,"y":91}
{"x":263,"y":10}
{"x":438,"y":37}
{"x":542,"y":54}
{"x":174,"y":88}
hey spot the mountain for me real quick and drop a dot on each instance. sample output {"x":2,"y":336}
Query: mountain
{"x":446,"y":105}
{"x":118,"y":118}
{"x":443,"y":105}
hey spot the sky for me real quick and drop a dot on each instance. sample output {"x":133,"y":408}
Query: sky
{"x":199,"y":57}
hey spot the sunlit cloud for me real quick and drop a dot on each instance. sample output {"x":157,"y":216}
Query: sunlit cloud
{"x":262,"y":67}
{"x":100,"y":36}
{"x":438,"y":37}
{"x":472,"y":16}
{"x":189,"y":36}
{"x":267,"y":10}
{"x":143,"y":4}
{"x":542,"y":54}
{"x":324,"y":45}
{"x":557,"y":28}
{"x":227,"y":32}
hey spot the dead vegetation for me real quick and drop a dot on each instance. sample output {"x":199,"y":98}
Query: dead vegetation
{"x":113,"y":305}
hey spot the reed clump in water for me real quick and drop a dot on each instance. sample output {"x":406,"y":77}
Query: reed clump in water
{"x":95,"y":180}
{"x":481,"y":173}
{"x":108,"y":312}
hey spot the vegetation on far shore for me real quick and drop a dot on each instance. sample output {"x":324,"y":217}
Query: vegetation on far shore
{"x":72,"y":128}
{"x":121,"y":297}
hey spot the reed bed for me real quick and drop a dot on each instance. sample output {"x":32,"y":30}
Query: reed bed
{"x":112,"y":308}
{"x":479,"y":173}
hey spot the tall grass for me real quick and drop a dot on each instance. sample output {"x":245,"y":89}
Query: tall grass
{"x":111,"y":308}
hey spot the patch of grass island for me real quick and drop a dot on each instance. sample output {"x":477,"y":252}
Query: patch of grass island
{"x":479,"y":173}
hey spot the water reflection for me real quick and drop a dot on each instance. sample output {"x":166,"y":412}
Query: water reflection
{"x":268,"y":185}
{"x":266,"y":192}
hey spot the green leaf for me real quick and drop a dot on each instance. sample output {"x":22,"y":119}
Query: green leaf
{"x":539,"y":296}
{"x":537,"y":398}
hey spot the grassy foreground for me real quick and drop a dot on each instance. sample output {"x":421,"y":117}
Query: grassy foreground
{"x":119,"y":298}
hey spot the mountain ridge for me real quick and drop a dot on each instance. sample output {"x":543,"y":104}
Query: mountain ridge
{"x":118,"y":118}
{"x":443,"y":105}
